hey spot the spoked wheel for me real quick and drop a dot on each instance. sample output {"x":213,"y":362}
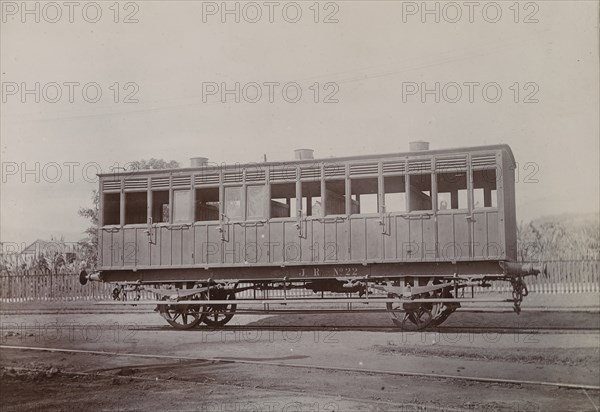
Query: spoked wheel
{"x":442,"y":317}
{"x":219,"y":315}
{"x":446,"y":309}
{"x":414,"y":315}
{"x":181,"y":316}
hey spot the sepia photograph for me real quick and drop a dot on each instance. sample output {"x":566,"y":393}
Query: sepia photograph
{"x":308,"y":205}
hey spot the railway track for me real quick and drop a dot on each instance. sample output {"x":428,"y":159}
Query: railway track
{"x":302,"y":366}
{"x":11,"y":327}
{"x":140,"y":310}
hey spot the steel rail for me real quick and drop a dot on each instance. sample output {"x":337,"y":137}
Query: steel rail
{"x":319,"y":367}
{"x":299,"y":301}
{"x":338,"y":328}
{"x":110,"y":310}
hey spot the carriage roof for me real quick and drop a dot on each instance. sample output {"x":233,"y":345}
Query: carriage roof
{"x":427,"y":153}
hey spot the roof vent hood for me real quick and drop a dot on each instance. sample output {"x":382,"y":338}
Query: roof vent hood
{"x":198,"y":161}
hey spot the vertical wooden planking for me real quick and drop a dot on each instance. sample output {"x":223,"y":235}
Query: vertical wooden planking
{"x":262,"y":242}
{"x":164,"y":239}
{"x":417,"y":242}
{"x":129,"y":247}
{"x":357,"y":239}
{"x":373,"y":240}
{"x":142,"y":247}
{"x":291,"y":247}
{"x":317,"y":247}
{"x":214,"y":245}
{"x":200,"y":244}
{"x":447,"y":245}
{"x":176,"y":246}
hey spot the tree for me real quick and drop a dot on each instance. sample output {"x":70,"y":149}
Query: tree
{"x":89,"y":245}
{"x":561,"y":237}
{"x":540,"y":241}
{"x":152,"y":164}
{"x":585,"y":242}
{"x":41,"y":263}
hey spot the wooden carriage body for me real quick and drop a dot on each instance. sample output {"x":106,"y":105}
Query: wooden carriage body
{"x":425,"y":212}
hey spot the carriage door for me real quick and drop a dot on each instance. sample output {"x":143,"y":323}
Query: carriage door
{"x":487,"y":241}
{"x":182,"y":231}
{"x":110,"y":234}
{"x":367,"y":225}
{"x":230,"y":224}
{"x":207,"y":223}
{"x":420,"y":219}
{"x":285,"y":223}
{"x":454,"y":220}
{"x":135,"y":216}
{"x":332,"y":228}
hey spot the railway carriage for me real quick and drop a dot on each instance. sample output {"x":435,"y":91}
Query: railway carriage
{"x":409,"y":232}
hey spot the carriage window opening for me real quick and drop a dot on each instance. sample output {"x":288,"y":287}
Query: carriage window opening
{"x":255,"y":202}
{"x":420,"y":192}
{"x":463,"y":199}
{"x":335,"y":197}
{"x":233,"y":202}
{"x":207,"y":204}
{"x":394,"y":189}
{"x":283,"y":200}
{"x":182,"y":206}
{"x":485,"y":192}
{"x":136,"y":204}
{"x":160,"y":206}
{"x":112,"y":209}
{"x":311,"y":199}
{"x":452,"y":190}
{"x":365,"y":197}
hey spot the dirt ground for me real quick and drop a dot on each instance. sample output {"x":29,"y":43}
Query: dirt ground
{"x":276,"y":364}
{"x":202,"y":386}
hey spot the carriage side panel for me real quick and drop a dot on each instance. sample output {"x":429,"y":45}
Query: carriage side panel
{"x":428,"y":229}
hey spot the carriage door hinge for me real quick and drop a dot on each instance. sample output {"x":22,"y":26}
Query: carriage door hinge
{"x":299,"y":223}
{"x":221,"y":227}
{"x":148,"y":231}
{"x":384,"y":222}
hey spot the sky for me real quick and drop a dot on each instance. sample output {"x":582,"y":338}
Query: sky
{"x":524,"y":74}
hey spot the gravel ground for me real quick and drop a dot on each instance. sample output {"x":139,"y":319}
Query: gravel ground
{"x":245,"y":378}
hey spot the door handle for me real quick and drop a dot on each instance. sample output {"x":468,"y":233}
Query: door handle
{"x":424,"y":216}
{"x":331,"y":219}
{"x":252,"y":224}
{"x":184,"y":226}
